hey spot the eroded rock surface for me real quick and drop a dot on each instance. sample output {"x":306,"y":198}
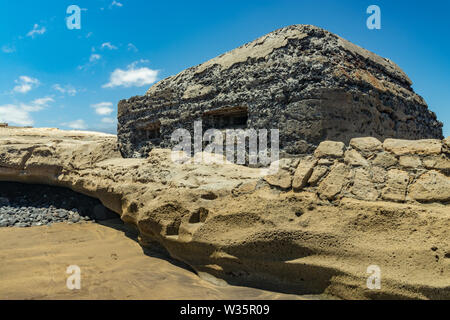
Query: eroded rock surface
{"x":230,"y":224}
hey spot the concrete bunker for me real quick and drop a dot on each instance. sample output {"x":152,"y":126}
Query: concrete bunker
{"x":302,"y":88}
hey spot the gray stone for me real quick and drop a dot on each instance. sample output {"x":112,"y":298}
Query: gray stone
{"x":22,"y":224}
{"x":62,"y":214}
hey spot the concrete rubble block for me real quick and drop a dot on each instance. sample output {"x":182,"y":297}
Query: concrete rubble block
{"x":431,"y":186}
{"x":325,"y":162}
{"x":366,"y":145}
{"x":354,"y":158}
{"x":385,"y":160}
{"x":363,"y":187}
{"x":333,"y":183}
{"x":410,"y":161}
{"x":317,"y":174}
{"x":423,"y":147}
{"x":333,"y":149}
{"x":303,"y":173}
{"x":396,"y":185}
{"x":288,"y":164}
{"x":379,"y":174}
{"x":438,"y":162}
{"x":281,"y":179}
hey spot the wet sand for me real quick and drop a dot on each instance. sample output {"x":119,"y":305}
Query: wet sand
{"x":33,"y":263}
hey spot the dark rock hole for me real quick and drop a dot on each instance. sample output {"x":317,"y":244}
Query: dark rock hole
{"x":226,"y":118}
{"x":199,"y":216}
{"x":26,"y":205}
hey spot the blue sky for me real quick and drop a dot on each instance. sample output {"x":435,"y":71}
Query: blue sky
{"x":55,"y":77}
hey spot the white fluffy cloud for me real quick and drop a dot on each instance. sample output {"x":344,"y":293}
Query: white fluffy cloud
{"x":108,"y":45}
{"x":25,"y":84}
{"x":132,"y":77}
{"x":103,"y":108}
{"x":19,"y":114}
{"x":116,"y":4}
{"x":94,"y":57}
{"x":76,"y":124}
{"x":132,"y":47}
{"x":68,"y":89}
{"x":108,"y":120}
{"x":36,"y":31}
{"x":113,"y":4}
{"x":43,"y":101}
{"x":8,"y":48}
{"x":13,"y":114}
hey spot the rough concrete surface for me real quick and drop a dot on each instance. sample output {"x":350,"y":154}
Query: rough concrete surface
{"x":310,"y":84}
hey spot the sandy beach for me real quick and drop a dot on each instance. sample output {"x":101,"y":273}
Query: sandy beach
{"x":113,"y":266}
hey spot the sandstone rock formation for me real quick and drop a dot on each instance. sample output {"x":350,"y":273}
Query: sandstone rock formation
{"x":416,"y":170}
{"x":313,"y":227}
{"x":305,"y":81}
